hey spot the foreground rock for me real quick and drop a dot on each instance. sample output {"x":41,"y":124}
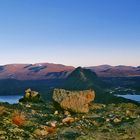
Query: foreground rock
{"x":75,"y":101}
{"x":31,"y":96}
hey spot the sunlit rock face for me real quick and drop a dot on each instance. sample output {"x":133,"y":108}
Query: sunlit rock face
{"x":75,"y":101}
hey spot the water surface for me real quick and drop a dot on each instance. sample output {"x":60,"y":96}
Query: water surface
{"x":131,"y":97}
{"x":11,"y":99}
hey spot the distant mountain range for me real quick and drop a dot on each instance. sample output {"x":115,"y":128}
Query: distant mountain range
{"x":37,"y":71}
{"x":42,"y":71}
{"x":115,"y":71}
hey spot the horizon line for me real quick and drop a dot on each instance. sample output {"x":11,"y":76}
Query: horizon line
{"x":22,"y":63}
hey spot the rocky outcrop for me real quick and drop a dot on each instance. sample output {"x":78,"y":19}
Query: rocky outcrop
{"x":31,"y":96}
{"x":75,"y":101}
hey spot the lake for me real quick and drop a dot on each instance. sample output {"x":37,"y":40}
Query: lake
{"x":131,"y":97}
{"x":12,"y":99}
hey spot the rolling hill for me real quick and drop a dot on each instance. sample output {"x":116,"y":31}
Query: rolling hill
{"x":37,"y":71}
{"x":115,"y":71}
{"x":45,"y":71}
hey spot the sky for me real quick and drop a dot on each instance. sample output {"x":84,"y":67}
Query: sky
{"x":70,"y":32}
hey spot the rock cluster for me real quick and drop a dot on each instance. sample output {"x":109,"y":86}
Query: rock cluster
{"x":75,"y":101}
{"x":31,"y":96}
{"x":41,"y":121}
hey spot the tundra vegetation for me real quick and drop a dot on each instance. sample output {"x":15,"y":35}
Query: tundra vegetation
{"x":43,"y":120}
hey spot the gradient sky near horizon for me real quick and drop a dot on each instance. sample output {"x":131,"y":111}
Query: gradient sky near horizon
{"x":71,"y":32}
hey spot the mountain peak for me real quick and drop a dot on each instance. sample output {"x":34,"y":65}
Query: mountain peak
{"x":81,"y":78}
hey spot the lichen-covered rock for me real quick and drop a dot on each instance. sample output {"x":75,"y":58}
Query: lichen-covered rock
{"x":31,"y":96}
{"x":75,"y":101}
{"x":68,"y":120}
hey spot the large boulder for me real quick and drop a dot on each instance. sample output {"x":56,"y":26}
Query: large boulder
{"x":75,"y":101}
{"x":31,"y":96}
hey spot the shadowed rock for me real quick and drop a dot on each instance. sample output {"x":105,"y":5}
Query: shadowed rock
{"x":31,"y":96}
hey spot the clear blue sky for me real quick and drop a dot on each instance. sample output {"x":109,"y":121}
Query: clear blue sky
{"x":71,"y":32}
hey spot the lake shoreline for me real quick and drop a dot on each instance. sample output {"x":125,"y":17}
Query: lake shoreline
{"x":14,"y":99}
